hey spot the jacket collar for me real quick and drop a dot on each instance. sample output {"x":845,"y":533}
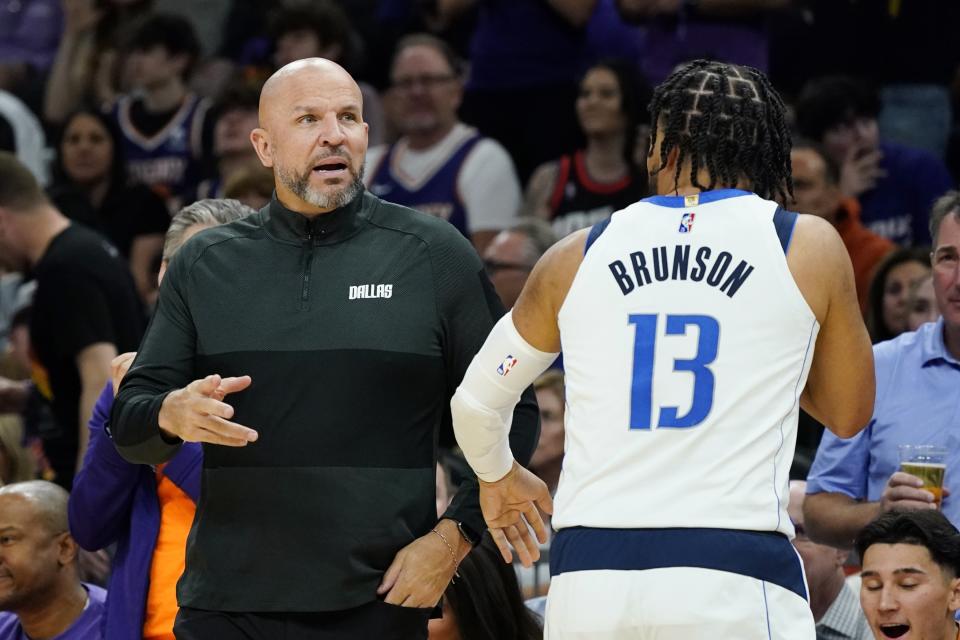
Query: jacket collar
{"x":327,"y":228}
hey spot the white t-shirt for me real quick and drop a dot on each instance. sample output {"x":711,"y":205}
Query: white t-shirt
{"x":487,"y":181}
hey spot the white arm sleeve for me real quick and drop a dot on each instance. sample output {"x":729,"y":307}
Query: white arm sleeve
{"x":482,"y":407}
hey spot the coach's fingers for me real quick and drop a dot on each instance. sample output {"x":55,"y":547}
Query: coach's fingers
{"x":208,"y":406}
{"x":234,"y":384}
{"x":227,"y":429}
{"x":205,"y":386}
{"x":199,"y":434}
{"x":390,"y":577}
{"x":501,"y":541}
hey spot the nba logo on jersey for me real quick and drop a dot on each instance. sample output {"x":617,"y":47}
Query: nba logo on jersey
{"x":686,"y":223}
{"x":507,"y":364}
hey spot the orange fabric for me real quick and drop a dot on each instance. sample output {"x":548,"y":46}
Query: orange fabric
{"x":865,"y":247}
{"x":176,"y":517}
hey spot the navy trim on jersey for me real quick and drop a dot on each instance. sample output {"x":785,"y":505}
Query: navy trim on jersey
{"x":766,"y":556}
{"x":784,"y":221}
{"x":706,"y":197}
{"x":595,"y":232}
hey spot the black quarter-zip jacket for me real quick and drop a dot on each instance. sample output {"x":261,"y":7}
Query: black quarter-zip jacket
{"x":356,"y":327}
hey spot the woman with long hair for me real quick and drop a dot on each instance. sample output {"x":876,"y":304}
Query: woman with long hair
{"x":484,"y":602}
{"x":887,"y":299}
{"x":580,"y":189}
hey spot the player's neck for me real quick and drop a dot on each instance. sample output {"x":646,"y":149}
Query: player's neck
{"x":165,"y":97}
{"x":684,"y":185}
{"x":52,"y":620}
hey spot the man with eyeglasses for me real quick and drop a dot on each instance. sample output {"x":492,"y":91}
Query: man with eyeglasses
{"x":41,"y":595}
{"x":441,"y":166}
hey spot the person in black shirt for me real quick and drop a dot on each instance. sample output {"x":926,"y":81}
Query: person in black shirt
{"x":85,"y":309}
{"x":91,"y":187}
{"x":339,"y":326}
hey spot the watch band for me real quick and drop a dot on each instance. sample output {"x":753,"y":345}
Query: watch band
{"x":467,"y":533}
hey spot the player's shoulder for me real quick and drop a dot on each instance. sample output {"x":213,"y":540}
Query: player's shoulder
{"x":813,"y":237}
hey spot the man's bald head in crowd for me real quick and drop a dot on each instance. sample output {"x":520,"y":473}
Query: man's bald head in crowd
{"x":46,"y":500}
{"x":312,"y":135}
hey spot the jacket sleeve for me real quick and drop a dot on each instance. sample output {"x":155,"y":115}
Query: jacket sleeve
{"x":165,"y":362}
{"x":102,"y":494}
{"x":469,"y":307}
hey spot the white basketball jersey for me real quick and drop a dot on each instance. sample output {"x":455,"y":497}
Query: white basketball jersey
{"x":686,"y":345}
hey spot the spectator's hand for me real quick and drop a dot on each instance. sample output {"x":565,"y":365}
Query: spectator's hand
{"x":119,"y":367}
{"x":421,"y":571}
{"x":197,"y":412}
{"x":510,"y":508}
{"x":860,"y":171}
{"x":903,"y":493}
{"x":80,"y":15}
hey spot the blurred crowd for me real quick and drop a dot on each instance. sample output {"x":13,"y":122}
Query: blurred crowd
{"x":519,"y":122}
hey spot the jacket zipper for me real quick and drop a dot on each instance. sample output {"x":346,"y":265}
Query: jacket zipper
{"x":308,"y":261}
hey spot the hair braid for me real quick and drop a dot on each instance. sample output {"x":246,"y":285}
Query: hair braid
{"x":727,"y":119}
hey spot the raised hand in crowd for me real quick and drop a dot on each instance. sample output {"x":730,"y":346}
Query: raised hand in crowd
{"x":860,"y":171}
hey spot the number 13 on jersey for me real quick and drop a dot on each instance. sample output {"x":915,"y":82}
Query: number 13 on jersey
{"x":644,"y":349}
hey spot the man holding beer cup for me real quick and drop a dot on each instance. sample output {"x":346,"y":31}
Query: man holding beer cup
{"x":908,"y":457}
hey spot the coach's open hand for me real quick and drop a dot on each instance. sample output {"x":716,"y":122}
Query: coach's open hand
{"x":197,"y":412}
{"x":421,"y":571}
{"x":510,"y":509}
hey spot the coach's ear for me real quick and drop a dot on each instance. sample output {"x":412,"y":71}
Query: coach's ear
{"x":260,"y":138}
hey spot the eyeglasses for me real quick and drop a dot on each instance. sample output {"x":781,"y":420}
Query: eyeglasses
{"x":494,"y":265}
{"x":427,"y":81}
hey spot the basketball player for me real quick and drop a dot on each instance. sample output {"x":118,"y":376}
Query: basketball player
{"x":694,"y":325}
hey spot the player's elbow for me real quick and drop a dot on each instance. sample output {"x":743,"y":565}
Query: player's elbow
{"x":850,"y":423}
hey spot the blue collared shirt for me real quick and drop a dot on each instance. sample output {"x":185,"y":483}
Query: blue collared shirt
{"x":918,"y":402}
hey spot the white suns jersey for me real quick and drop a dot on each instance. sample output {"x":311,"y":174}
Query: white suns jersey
{"x":686,"y":345}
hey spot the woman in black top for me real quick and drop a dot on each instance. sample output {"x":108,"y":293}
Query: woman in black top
{"x":580,"y":189}
{"x":91,"y":187}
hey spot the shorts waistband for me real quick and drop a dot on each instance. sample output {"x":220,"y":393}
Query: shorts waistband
{"x":766,"y":556}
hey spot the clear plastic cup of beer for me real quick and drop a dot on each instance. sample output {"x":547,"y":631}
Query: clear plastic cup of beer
{"x":927,"y":462}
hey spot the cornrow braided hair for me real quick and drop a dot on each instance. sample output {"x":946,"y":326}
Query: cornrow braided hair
{"x":727,"y":118}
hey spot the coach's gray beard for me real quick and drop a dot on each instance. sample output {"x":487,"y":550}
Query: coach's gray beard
{"x":300,"y":186}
